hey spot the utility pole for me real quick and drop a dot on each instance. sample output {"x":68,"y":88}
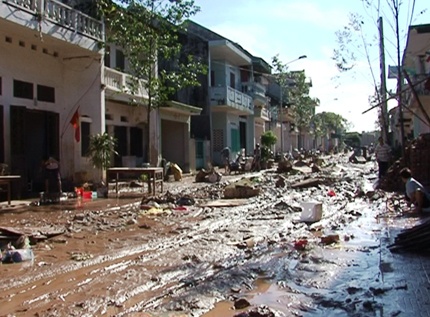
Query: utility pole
{"x":399,"y":81}
{"x":383,"y":88}
{"x":281,"y":117}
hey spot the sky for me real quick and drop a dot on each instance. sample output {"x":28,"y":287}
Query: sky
{"x":292,"y":28}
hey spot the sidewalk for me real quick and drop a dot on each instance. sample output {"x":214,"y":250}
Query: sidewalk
{"x":407,"y":273}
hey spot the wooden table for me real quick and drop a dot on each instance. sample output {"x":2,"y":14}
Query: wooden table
{"x":154,"y":175}
{"x":6,"y":180}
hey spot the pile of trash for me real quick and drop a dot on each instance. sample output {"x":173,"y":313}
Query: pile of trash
{"x":419,"y":158}
{"x":17,"y":250}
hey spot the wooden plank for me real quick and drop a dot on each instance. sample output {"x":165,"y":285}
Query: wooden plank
{"x":307,"y":183}
{"x":225,"y":203}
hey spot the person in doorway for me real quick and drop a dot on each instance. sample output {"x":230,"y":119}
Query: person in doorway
{"x":52,"y":174}
{"x":383,"y":157}
{"x":225,"y":157}
{"x":416,"y":194}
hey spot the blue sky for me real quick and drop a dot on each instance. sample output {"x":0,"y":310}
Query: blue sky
{"x":292,"y":28}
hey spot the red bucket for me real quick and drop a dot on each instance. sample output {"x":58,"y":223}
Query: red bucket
{"x":87,"y":195}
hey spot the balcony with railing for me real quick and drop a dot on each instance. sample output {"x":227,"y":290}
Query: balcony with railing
{"x":262,"y":113}
{"x":257,"y":91}
{"x":119,"y":85}
{"x":59,"y":14}
{"x":231,"y":100}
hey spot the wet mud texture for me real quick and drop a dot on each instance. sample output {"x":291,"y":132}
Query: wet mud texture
{"x":114,"y":259}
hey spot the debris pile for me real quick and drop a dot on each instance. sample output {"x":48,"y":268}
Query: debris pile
{"x":420,"y":158}
{"x":392,"y":180}
{"x":243,"y":188}
{"x":210,"y":176}
{"x":414,"y":239}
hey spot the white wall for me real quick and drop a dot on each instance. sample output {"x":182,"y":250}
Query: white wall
{"x":77,"y":82}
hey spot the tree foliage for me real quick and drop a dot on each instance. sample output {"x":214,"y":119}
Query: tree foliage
{"x":295,"y":87}
{"x":268,"y":139}
{"x":100,"y":150}
{"x":148,"y":31}
{"x":352,"y":139}
{"x":326,"y":122}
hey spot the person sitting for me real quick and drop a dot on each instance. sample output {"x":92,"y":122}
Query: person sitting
{"x":416,"y":194}
{"x":52,"y":174}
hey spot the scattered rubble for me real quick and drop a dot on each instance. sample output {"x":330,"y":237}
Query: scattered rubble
{"x":243,"y":188}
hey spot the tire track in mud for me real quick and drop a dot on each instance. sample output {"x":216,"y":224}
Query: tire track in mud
{"x":66,"y":282}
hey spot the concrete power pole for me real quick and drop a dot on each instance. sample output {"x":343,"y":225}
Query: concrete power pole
{"x":383,"y":88}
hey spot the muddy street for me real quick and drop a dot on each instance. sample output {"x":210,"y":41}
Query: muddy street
{"x":115,"y":257}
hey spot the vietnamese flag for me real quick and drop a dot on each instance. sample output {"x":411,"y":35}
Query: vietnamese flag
{"x":75,"y":122}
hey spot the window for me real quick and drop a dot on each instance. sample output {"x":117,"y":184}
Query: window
{"x":120,"y":60}
{"x":22,"y":89}
{"x":45,"y":93}
{"x":85,"y":138}
{"x":232,"y":80}
{"x":107,"y":56}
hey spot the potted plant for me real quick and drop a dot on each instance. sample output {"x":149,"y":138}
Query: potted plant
{"x":100,"y":149}
{"x":268,"y":139}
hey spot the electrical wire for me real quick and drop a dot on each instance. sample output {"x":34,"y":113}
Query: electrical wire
{"x":73,"y":108}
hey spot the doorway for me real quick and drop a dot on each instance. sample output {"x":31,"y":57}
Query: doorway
{"x":242,"y":132}
{"x":35,"y":137}
{"x":120,"y":134}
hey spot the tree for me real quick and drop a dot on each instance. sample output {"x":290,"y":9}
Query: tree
{"x":353,"y":139}
{"x":100,"y":149}
{"x":268,"y":139}
{"x":295,"y":92}
{"x":354,"y":42}
{"x":326,"y":122}
{"x":148,"y":31}
{"x":302,"y":105}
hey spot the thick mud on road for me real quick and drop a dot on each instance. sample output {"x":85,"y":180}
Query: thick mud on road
{"x":116,"y":259}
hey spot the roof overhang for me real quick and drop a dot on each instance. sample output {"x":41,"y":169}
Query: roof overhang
{"x":180,"y":108}
{"x":225,"y":50}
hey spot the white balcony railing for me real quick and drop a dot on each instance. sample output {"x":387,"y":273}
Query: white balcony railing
{"x":61,"y":14}
{"x":227,"y":96}
{"x":262,"y":112}
{"x":257,"y":91}
{"x":121,"y":83}
{"x":265,"y":114}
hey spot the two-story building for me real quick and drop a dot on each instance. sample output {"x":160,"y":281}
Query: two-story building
{"x":237,"y":94}
{"x":50,"y":67}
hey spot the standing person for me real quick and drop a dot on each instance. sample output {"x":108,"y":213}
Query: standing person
{"x":383,"y":156}
{"x":225,"y":156}
{"x":256,"y":164}
{"x":52,"y":174}
{"x":416,"y":194}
